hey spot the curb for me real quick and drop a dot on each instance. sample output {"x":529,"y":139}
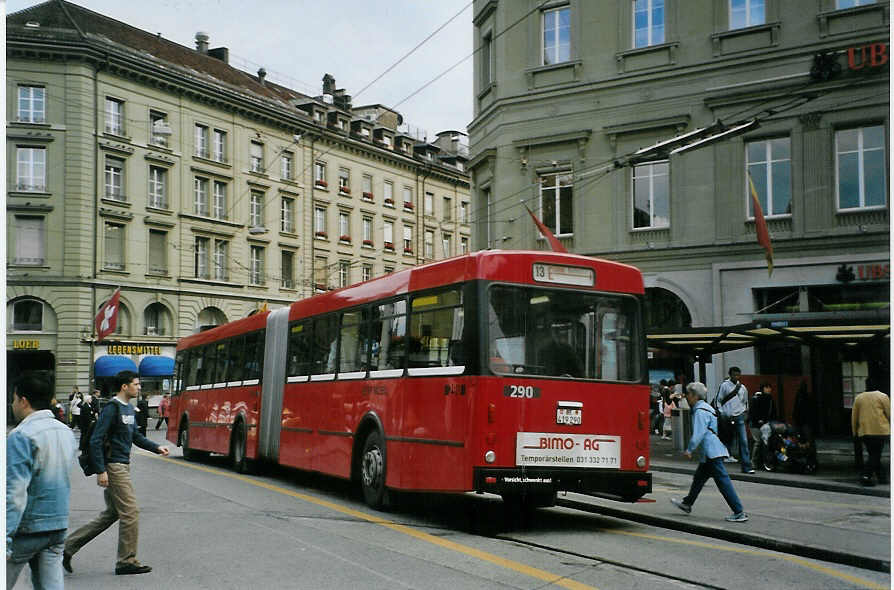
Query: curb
{"x":819,"y":484}
{"x":737,"y":536}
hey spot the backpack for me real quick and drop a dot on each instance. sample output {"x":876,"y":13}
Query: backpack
{"x":84,"y":458}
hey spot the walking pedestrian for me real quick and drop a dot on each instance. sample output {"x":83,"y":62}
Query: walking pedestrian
{"x":142,"y":415}
{"x":117,"y":425}
{"x":75,"y":410}
{"x":86,"y":419}
{"x":762,"y":410}
{"x":732,"y":404}
{"x":39,"y":454}
{"x":870,"y":422}
{"x":704,"y":438}
{"x":163,"y":406}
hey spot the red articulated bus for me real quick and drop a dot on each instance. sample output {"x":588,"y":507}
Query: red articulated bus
{"x":514,"y":372}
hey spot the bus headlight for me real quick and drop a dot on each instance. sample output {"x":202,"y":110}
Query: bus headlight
{"x":640,"y":461}
{"x":490,"y":457}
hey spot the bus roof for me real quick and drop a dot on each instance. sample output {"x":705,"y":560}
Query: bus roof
{"x":511,"y":266}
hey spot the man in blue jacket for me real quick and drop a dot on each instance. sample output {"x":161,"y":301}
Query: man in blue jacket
{"x":117,"y":426}
{"x":39,"y":456}
{"x":704,"y":436}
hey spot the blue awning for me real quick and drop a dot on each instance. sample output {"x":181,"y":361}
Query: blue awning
{"x":111,"y":365}
{"x":156,"y":366}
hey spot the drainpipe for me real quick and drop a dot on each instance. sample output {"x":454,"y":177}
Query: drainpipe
{"x":94,"y":273}
{"x":420,"y":218}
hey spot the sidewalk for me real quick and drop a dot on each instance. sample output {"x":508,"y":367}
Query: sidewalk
{"x":836,"y":472}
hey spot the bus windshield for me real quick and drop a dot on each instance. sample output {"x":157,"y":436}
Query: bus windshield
{"x":563,"y":333}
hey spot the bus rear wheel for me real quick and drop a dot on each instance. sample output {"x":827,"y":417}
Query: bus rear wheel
{"x":373,"y":468}
{"x":237,"y":449}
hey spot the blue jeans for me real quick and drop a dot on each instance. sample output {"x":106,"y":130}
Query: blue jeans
{"x":744,"y":453}
{"x":714,"y":468}
{"x":41,"y":551}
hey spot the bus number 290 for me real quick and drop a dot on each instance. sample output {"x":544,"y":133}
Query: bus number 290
{"x":521,"y":391}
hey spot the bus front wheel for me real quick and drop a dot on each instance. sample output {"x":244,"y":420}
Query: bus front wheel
{"x":372,"y":471}
{"x":188,"y":453}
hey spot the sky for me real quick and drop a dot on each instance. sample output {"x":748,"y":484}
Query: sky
{"x":298,"y":41}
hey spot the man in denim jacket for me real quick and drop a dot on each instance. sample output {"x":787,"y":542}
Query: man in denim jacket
{"x":39,"y":456}
{"x":704,"y":436}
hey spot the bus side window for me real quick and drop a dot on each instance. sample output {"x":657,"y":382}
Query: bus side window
{"x":180,"y":372}
{"x":300,"y":341}
{"x":388,"y":330}
{"x":324,"y":346}
{"x":192,"y":371}
{"x":436,"y":322}
{"x":352,"y":342}
{"x":236,"y":360}
{"x":252,"y":353}
{"x":210,"y":353}
{"x":223,"y":361}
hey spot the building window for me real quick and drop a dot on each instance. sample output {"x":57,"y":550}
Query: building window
{"x":408,"y":238}
{"x":408,"y":197}
{"x":464,"y":245}
{"x":31,"y":169}
{"x":746,"y":13}
{"x":388,"y":270}
{"x":219,"y":206}
{"x":366,"y":272}
{"x":201,"y":258}
{"x":556,"y":35}
{"x":320,"y":174}
{"x":447,"y":243}
{"x":114,"y":246}
{"x":256,"y":270}
{"x":648,"y":22}
{"x":860,"y":167}
{"x":344,"y":181}
{"x":157,"y":187}
{"x":30,"y":239}
{"x":286,"y":165}
{"x":114,"y":176}
{"x":367,"y":187}
{"x":464,"y":212}
{"x":344,"y":273}
{"x":842,"y":4}
{"x":770,"y":166}
{"x":344,"y":226}
{"x":32,"y":104}
{"x":320,"y":222}
{"x":429,"y":204}
{"x":487,"y":56}
{"x":256,"y":209}
{"x":114,"y":116}
{"x":367,"y":231}
{"x":155,"y":317}
{"x":651,"y":199}
{"x":159,"y":130}
{"x":388,"y":235}
{"x":219,"y":146}
{"x":388,"y":189}
{"x":201,"y":141}
{"x":158,"y":251}
{"x":201,"y":196}
{"x":221,"y":269}
{"x":256,"y":157}
{"x":287,"y":270}
{"x":448,"y":209}
{"x":287,"y":215}
{"x":321,"y":273}
{"x":428,"y":244}
{"x":556,"y":206}
{"x":27,"y":316}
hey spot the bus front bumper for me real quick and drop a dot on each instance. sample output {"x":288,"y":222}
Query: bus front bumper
{"x":627,"y":486}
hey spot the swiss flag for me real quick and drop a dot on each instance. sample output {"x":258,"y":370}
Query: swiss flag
{"x":554,"y":242}
{"x":107,"y":319}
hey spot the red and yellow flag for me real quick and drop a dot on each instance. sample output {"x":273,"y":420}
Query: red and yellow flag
{"x":760,"y":227}
{"x":554,"y":242}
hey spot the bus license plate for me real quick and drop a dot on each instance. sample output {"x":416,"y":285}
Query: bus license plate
{"x":571,"y":416}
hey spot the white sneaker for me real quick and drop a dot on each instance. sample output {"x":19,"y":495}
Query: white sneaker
{"x":730,"y":460}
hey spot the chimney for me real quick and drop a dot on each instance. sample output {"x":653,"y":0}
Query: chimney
{"x":202,"y":42}
{"x":328,"y":84}
{"x":221,"y":53}
{"x":262,"y":73}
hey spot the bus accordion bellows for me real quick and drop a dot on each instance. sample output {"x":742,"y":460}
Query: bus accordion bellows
{"x":520,"y":373}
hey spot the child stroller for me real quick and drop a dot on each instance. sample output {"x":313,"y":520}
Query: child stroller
{"x":786,"y":449}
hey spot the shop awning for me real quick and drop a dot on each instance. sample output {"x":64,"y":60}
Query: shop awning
{"x":801,"y":328}
{"x":111,"y":365}
{"x":156,"y":366}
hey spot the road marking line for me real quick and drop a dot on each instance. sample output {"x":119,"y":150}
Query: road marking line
{"x":759,"y":553}
{"x":400,"y":528}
